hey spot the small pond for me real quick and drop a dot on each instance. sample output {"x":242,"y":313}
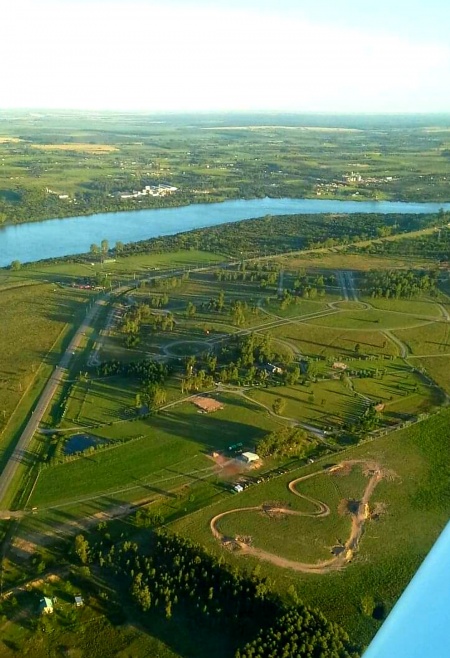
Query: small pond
{"x":80,"y":442}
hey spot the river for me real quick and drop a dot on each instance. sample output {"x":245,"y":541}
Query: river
{"x":74,"y":235}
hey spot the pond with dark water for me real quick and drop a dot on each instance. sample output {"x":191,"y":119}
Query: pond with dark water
{"x":80,"y":442}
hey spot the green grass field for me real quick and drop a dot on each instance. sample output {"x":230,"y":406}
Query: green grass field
{"x":328,"y":341}
{"x":35,"y":320}
{"x":175,"y":444}
{"x":416,"y":509}
{"x":332,"y":403}
{"x":429,"y":339}
{"x":370,"y":320}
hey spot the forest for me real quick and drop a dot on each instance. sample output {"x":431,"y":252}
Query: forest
{"x":177,"y":580}
{"x":401,"y":284}
{"x":269,"y":235}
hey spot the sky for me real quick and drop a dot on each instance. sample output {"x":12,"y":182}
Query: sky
{"x":333,"y":56}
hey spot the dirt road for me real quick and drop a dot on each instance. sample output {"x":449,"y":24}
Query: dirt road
{"x":347,"y":550}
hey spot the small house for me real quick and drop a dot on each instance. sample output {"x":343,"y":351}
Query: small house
{"x":79,"y":601}
{"x":238,"y":488}
{"x":250,"y":457}
{"x":273,"y":369}
{"x":45,"y":606}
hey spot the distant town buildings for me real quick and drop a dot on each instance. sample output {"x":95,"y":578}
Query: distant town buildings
{"x":60,"y":196}
{"x":150,"y":190}
{"x":352,"y":177}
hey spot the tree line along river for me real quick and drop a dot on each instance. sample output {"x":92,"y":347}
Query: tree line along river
{"x":74,"y":235}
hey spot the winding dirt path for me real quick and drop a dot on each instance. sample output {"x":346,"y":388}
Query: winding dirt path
{"x":325,"y":566}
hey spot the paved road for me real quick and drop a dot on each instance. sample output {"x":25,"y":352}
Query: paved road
{"x":340,"y":276}
{"x":20,"y":451}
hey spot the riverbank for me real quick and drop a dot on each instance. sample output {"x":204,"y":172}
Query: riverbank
{"x":75,"y":235}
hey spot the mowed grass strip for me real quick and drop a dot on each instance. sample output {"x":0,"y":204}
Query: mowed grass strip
{"x":171,"y":438}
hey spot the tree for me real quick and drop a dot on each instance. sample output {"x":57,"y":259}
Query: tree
{"x":119,"y":247}
{"x":82,"y":548}
{"x":154,"y":395}
{"x":191,"y":310}
{"x":16,"y":265}
{"x":278,"y":405}
{"x":104,"y":246}
{"x":95,"y":249}
{"x":221,"y":301}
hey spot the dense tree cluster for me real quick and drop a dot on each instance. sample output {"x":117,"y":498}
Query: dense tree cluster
{"x":146,"y":370}
{"x":299,"y":633}
{"x":285,"y":442}
{"x":178,"y":577}
{"x":430,"y":245}
{"x":138,"y":314}
{"x":401,"y":284}
{"x":280,"y":234}
{"x":266,"y":273}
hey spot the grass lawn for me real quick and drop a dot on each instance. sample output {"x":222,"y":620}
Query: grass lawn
{"x":304,"y":307}
{"x":410,"y":306}
{"x":329,"y":341}
{"x":100,"y":401}
{"x":174,"y":444}
{"x":300,"y":538}
{"x":430,"y":339}
{"x":370,"y":320}
{"x":438,"y":368}
{"x":332,"y":402}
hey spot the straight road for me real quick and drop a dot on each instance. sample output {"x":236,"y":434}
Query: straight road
{"x":20,"y":451}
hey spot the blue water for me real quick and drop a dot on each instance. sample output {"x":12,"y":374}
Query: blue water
{"x":80,"y":442}
{"x":74,"y":235}
{"x":419,"y":624}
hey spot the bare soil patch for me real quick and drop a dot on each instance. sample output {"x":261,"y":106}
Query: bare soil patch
{"x":207,"y":405}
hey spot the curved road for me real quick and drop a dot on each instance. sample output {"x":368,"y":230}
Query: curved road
{"x":341,"y":559}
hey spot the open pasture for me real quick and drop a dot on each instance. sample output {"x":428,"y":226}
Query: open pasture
{"x":33,"y":318}
{"x":175,"y":442}
{"x":413,"y":494}
{"x":100,"y":401}
{"x":322,"y":404}
{"x":328,"y":341}
{"x":338,"y":258}
{"x":427,"y":340}
{"x":77,"y":147}
{"x":438,"y":368}
{"x":371,"y":320}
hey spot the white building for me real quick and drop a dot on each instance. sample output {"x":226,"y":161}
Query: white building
{"x":250,"y":457}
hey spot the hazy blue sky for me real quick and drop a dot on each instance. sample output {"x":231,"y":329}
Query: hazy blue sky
{"x":295,"y":55}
